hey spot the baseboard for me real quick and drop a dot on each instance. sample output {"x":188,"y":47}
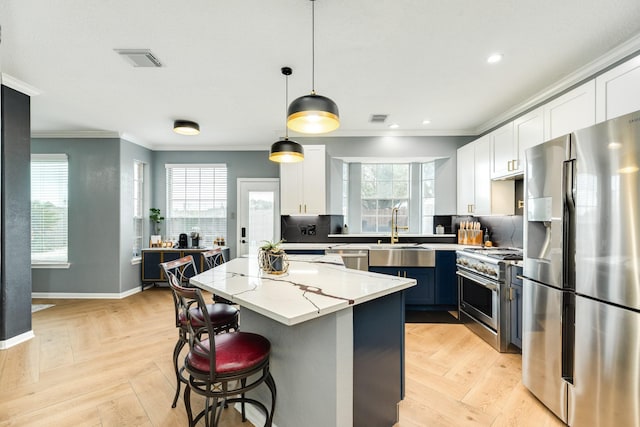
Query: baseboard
{"x":83,"y":295}
{"x":254,"y":415}
{"x":16,"y":340}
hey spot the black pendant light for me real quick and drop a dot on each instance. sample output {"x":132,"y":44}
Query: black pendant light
{"x":313,"y":113}
{"x":285,"y":150}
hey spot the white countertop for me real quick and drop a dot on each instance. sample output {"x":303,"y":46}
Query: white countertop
{"x":387,"y":235}
{"x":366,"y":246}
{"x":315,"y":285}
{"x":203,"y":248}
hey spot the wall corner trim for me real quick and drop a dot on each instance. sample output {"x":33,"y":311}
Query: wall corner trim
{"x":18,"y":339}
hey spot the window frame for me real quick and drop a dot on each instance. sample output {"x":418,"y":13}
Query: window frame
{"x":59,"y":158}
{"x":210,"y":227}
{"x":404,"y":203}
{"x":138,"y":199}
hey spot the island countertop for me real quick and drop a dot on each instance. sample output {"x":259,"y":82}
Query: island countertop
{"x":315,"y":285}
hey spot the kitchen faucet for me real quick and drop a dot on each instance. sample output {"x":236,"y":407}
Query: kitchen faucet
{"x":395,"y":227}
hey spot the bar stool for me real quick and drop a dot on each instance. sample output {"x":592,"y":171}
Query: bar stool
{"x":213,"y":258}
{"x":221,"y":367}
{"x":223,"y":317}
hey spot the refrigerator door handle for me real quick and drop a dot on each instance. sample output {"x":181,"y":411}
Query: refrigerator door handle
{"x":568,"y":223}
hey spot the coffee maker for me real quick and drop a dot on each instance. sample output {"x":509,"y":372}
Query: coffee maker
{"x":183,"y":241}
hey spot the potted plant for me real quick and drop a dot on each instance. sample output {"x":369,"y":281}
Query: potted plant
{"x":156,"y":219}
{"x":272,"y":257}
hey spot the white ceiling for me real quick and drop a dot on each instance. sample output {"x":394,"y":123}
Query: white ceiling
{"x":411,"y":59}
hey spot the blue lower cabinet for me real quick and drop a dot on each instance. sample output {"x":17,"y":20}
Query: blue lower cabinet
{"x":304,"y":251}
{"x":516,"y":307}
{"x":446,"y":281}
{"x":423,"y":293}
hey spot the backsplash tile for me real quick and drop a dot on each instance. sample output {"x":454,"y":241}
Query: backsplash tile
{"x":310,"y":229}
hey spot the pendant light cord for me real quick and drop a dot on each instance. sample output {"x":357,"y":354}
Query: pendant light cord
{"x":286,"y":105}
{"x":313,"y":46}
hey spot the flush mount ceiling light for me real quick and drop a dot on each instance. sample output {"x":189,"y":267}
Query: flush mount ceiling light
{"x":313,"y":113}
{"x":286,"y":151}
{"x":185,"y":127}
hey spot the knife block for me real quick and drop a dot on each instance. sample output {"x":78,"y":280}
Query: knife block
{"x":470,"y":237}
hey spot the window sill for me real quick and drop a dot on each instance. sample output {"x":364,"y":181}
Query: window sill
{"x":56,"y":265}
{"x":136,"y":260}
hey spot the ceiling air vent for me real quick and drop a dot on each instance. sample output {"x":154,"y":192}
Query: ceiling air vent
{"x":378,"y":118}
{"x":139,"y":57}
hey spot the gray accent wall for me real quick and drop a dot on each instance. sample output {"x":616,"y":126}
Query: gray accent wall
{"x":240,"y":164}
{"x":94,"y":217}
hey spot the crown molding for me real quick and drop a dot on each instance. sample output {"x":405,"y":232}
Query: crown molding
{"x":132,"y":139}
{"x":623,"y":52}
{"x":19,"y":85}
{"x":75,"y":134}
{"x":173,"y":147}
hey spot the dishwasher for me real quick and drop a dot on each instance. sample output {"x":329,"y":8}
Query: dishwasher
{"x":357,"y":259}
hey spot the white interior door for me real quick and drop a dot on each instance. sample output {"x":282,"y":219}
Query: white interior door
{"x":258,"y":213}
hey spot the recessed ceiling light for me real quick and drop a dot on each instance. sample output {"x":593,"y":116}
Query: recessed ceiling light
{"x":426,"y":122}
{"x":496,"y":57}
{"x":394,"y":126}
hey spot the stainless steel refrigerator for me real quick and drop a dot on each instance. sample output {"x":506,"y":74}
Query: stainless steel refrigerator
{"x":581,"y":297}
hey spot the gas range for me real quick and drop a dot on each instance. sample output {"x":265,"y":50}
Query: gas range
{"x":484,"y":294}
{"x":488,"y":262}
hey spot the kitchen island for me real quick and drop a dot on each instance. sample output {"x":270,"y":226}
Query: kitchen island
{"x":337,"y":337}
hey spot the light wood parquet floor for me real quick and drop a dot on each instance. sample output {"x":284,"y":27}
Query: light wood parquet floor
{"x":108,"y":363}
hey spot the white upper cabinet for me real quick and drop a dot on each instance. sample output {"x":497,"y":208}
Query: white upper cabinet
{"x":465,"y":179}
{"x":618,"y":90}
{"x":572,"y":111}
{"x":477,"y":193}
{"x":509,"y":142}
{"x":303,"y":185}
{"x":528,"y":131}
{"x":503,"y":151}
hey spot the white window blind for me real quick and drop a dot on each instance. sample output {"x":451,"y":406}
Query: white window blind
{"x":197,"y":198}
{"x":49,"y":208}
{"x":138,"y":207}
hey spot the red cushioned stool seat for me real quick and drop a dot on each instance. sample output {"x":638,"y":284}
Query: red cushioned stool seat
{"x":235,"y":351}
{"x":219,"y":314}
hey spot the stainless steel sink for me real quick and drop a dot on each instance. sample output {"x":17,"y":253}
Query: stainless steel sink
{"x":401,"y":256}
{"x":392,"y":246}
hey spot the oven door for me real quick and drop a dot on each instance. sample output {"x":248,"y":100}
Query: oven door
{"x":479,"y":298}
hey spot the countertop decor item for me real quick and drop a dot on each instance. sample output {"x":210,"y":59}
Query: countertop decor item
{"x":156,"y":218}
{"x":313,"y":113}
{"x":285,"y":150}
{"x":272,"y":258}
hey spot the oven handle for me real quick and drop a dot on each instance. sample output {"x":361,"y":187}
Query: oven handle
{"x":486,"y":283}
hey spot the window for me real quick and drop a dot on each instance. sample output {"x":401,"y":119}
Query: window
{"x":138,"y":207}
{"x":383,"y":188}
{"x":49,"y":208}
{"x":197,"y":197}
{"x":428,"y":196}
